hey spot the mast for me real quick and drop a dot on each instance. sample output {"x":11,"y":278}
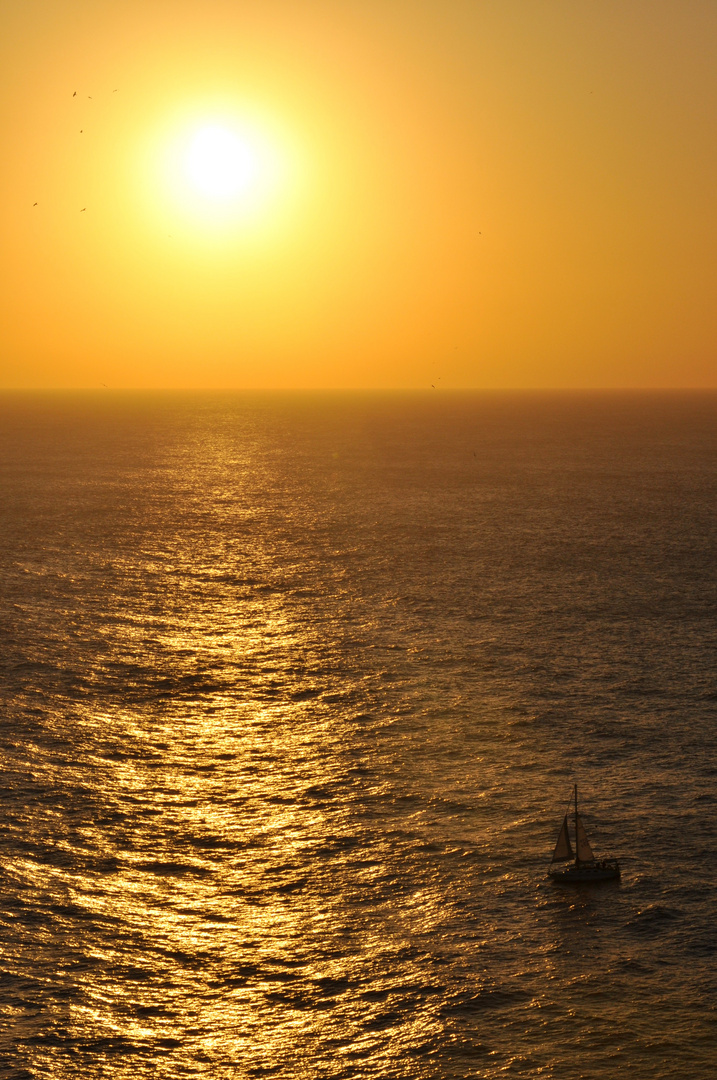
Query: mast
{"x":577,"y":857}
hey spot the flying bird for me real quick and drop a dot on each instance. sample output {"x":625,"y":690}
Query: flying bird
{"x":83,"y":209}
{"x":75,"y":94}
{"x":34,"y":204}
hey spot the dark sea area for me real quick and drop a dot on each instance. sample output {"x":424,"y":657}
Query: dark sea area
{"x":294,"y":689}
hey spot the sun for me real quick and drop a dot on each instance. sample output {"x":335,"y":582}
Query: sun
{"x":217,"y":174}
{"x":221,"y":165}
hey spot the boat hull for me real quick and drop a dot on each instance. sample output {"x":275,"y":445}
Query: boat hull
{"x":604,"y":870}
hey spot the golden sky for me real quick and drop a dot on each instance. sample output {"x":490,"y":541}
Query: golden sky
{"x":509,"y":193}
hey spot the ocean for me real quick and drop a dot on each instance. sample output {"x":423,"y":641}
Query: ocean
{"x":294,"y":690}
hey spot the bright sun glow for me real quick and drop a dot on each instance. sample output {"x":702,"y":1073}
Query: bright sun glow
{"x":211,"y":175}
{"x":219,"y":164}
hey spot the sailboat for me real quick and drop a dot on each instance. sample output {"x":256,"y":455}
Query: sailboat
{"x":583,"y":864}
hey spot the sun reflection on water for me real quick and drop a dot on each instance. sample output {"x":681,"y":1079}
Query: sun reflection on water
{"x":274,"y":801}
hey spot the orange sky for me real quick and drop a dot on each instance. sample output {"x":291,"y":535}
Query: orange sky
{"x":516,"y":193}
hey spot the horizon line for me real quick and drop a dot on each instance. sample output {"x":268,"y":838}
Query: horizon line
{"x":358,"y":389}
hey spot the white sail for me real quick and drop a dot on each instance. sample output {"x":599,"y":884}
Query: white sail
{"x":584,"y":851}
{"x":563,"y":849}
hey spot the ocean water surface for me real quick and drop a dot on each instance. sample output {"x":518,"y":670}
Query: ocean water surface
{"x":294,"y":689}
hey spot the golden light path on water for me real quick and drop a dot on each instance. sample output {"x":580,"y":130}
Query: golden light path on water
{"x":296,"y":702}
